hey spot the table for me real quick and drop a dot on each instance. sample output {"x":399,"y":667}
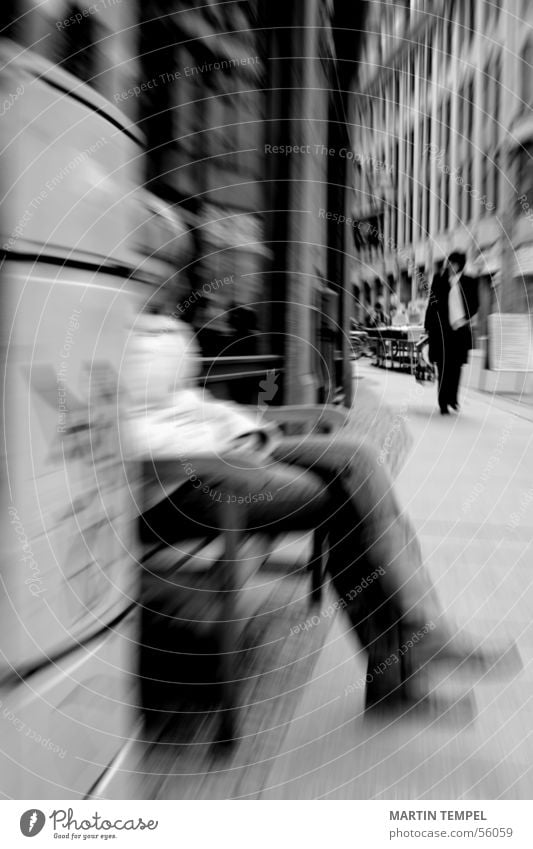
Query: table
{"x":395,"y":346}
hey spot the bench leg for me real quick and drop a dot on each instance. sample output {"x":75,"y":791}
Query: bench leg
{"x":316,"y":565}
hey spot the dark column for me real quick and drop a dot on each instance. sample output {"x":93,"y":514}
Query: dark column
{"x":347,"y":24}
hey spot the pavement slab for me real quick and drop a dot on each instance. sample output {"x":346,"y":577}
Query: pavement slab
{"x":465,"y":484}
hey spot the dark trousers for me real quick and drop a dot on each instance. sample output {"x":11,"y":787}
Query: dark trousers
{"x":449,"y":374}
{"x":375,"y":561}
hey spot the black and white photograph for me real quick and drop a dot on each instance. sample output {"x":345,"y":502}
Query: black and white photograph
{"x":266,"y":490}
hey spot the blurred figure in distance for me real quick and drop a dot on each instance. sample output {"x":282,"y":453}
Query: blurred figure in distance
{"x":453,"y":301}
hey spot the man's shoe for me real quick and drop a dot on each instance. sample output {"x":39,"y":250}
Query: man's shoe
{"x":455,"y":407}
{"x":462,"y":654}
{"x":444,"y":411}
{"x":415,"y":700}
{"x":433,"y":708}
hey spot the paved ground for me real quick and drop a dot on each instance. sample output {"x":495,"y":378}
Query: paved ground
{"x":466,"y":482}
{"x":468,"y":485}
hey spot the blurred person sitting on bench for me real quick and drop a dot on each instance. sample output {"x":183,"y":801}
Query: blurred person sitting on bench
{"x":222,"y":451}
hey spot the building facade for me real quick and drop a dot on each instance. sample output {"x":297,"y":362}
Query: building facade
{"x":97,"y":43}
{"x":442,"y":135}
{"x":240,"y":133}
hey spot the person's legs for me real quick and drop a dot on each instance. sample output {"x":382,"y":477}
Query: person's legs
{"x":449,"y":375}
{"x":455,"y":367}
{"x":229,"y":494}
{"x":442,"y":386}
{"x":332,"y":482}
{"x":368,"y":530}
{"x":273,"y":498}
{"x":376,"y":566}
{"x":375,"y":561}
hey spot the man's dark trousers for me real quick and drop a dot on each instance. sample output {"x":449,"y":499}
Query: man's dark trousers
{"x":452,"y":356}
{"x":449,"y":373}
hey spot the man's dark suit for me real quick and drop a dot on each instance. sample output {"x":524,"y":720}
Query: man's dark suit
{"x":449,"y":348}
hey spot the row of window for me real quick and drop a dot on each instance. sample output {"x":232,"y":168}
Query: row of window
{"x":429,"y":54}
{"x":416,"y":184}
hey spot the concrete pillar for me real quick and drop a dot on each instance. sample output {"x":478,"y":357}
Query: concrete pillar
{"x":434,"y":193}
{"x":416,"y":176}
{"x":305,"y":200}
{"x":347,"y":310}
{"x":400,"y":200}
{"x":456,"y":130}
{"x":476,"y":146}
{"x":510,"y":289}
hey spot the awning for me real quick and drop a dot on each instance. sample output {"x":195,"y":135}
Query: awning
{"x":487,"y":260}
{"x":226,"y":228}
{"x":521,"y":133}
{"x":523,"y":261}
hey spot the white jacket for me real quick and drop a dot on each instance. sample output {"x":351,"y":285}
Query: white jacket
{"x":166,"y":415}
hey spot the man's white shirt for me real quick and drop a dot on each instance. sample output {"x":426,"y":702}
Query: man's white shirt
{"x":456,"y":307}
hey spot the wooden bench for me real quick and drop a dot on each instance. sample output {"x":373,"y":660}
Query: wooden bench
{"x":220,"y":555}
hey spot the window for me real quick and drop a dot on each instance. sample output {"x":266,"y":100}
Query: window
{"x":496,"y":104}
{"x":526,"y":73}
{"x":469,"y":111}
{"x":409,"y":234}
{"x":471,"y":19}
{"x":80,"y":46}
{"x":394,"y":223}
{"x":484,"y":174}
{"x":458,"y":209}
{"x":418,"y":226}
{"x":445,"y":201}
{"x":401,"y":221}
{"x":412,"y":73}
{"x":495,"y":195}
{"x":464,"y":194}
{"x":446,"y":120}
{"x":460,"y":129}
{"x":438,"y":127}
{"x":448,"y":35}
{"x":525,"y":171}
{"x":411,"y":183}
{"x":436,"y":200}
{"x":468,"y":183}
{"x":486,"y":107}
{"x":429,"y":57}
{"x":461,"y":24}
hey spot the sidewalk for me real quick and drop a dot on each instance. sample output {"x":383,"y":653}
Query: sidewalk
{"x":467,"y":485}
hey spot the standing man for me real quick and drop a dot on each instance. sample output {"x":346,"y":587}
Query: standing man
{"x":453,"y":302}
